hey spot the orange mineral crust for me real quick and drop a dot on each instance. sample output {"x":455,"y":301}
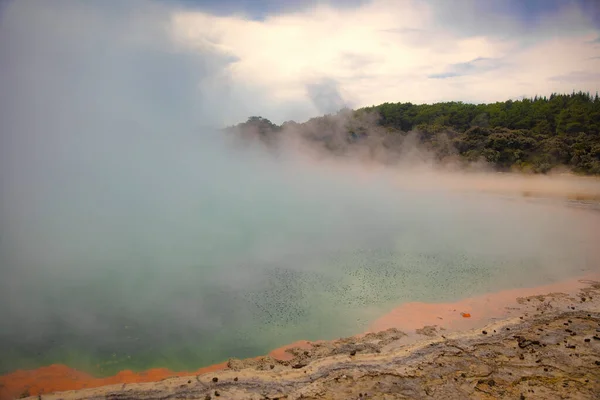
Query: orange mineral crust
{"x":467,"y":313}
{"x":58,"y":377}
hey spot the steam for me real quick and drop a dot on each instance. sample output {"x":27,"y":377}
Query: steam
{"x":131,"y":236}
{"x":326,"y":96}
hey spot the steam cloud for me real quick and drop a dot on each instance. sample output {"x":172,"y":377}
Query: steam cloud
{"x":128,"y":230}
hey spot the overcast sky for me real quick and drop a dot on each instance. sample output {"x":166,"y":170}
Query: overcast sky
{"x":223,"y":61}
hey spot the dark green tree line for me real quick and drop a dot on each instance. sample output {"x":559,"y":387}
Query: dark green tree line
{"x":536,"y":134}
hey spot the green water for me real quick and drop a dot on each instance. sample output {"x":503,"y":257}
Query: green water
{"x":184,"y":316}
{"x":214,"y":253}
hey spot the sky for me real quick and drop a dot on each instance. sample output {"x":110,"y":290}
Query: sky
{"x":223,"y":61}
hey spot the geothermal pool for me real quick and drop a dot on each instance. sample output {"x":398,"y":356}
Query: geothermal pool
{"x":134,"y":236}
{"x":200,"y":275}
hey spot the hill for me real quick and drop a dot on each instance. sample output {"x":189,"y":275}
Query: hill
{"x":530,"y":135}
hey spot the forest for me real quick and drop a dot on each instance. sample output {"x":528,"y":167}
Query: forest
{"x":534,"y":135}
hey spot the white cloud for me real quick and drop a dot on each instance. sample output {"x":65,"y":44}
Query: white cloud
{"x":388,"y":50}
{"x":221,"y":69}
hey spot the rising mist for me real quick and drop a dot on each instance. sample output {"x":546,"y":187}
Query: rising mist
{"x":135,"y":234}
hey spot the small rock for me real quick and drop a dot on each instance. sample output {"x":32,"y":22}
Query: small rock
{"x":353,"y":353}
{"x":235,"y":379}
{"x":586,"y":340}
{"x":217,"y":394}
{"x":484,"y":332}
{"x":235,"y":364}
{"x":525,"y":342}
{"x":545,"y":369}
{"x":597,"y":362}
{"x":215,"y":379}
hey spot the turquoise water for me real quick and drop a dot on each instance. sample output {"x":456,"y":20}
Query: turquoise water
{"x":235,"y":271}
{"x":180,"y":251}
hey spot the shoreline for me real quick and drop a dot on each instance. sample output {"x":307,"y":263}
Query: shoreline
{"x":408,"y":323}
{"x":549,"y":350}
{"x":478,"y":310}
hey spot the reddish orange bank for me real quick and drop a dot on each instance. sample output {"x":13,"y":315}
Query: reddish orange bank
{"x":58,"y":377}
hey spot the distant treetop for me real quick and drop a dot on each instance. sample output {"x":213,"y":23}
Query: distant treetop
{"x":533,"y":134}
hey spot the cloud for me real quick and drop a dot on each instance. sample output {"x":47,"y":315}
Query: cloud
{"x":478,"y":65}
{"x":375,"y":51}
{"x":259,"y":9}
{"x":577,"y":76}
{"x":81,"y":61}
{"x":389,"y":51}
{"x":525,"y":20}
{"x":233,"y":66}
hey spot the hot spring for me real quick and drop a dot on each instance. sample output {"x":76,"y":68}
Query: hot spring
{"x":134,"y":237}
{"x":182,"y":252}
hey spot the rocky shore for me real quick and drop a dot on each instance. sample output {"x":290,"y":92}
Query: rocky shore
{"x":549,"y":348}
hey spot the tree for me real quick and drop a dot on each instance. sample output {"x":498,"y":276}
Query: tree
{"x":541,"y":132}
